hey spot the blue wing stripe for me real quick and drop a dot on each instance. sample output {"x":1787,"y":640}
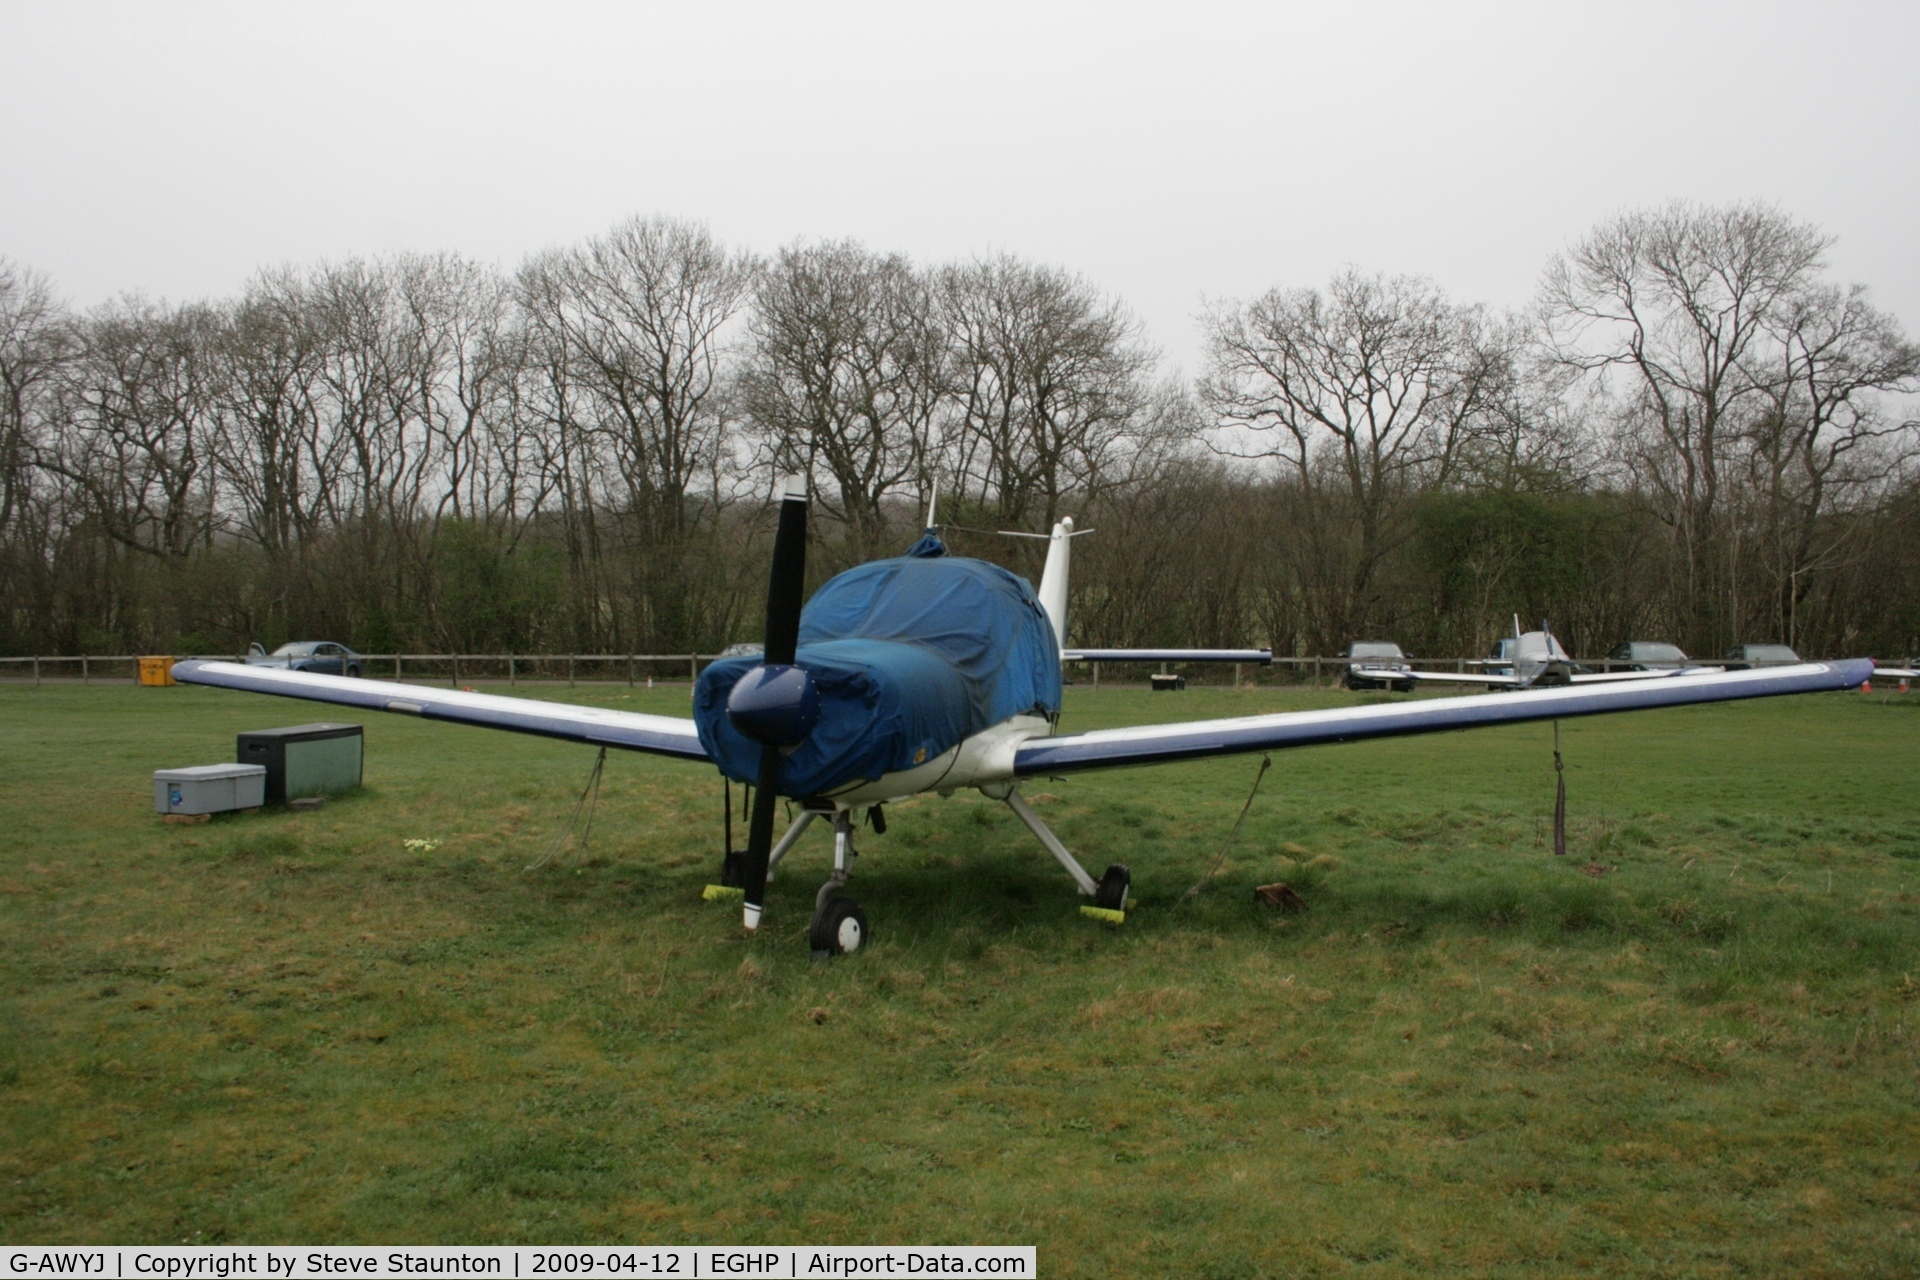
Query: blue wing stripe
{"x":1192,"y":740}
{"x":596,"y":726}
{"x":1167,"y":655}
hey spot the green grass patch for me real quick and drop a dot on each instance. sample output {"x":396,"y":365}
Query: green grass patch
{"x":1687,"y":1049}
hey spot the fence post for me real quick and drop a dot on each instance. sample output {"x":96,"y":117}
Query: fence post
{"x":456,"y":670}
{"x":510,"y":672}
{"x":1236,"y":675}
{"x":629,"y":671}
{"x":1316,"y":672}
{"x":1096,"y":675}
{"x":83,"y":669}
{"x":396,"y":668}
{"x":693,"y":668}
{"x":569,"y":671}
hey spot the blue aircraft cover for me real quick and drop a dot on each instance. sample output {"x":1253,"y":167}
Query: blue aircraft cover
{"x":910,"y":655}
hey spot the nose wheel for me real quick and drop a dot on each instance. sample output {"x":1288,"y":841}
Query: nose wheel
{"x":839,"y":925}
{"x":839,"y":929}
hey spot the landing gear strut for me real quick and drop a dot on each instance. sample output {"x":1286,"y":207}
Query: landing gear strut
{"x":1109,"y":892}
{"x":839,"y":925}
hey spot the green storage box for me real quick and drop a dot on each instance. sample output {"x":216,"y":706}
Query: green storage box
{"x":304,"y":759}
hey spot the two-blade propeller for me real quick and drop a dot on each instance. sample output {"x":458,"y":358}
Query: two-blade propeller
{"x":776,"y":703}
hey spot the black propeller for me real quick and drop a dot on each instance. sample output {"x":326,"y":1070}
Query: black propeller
{"x":776,"y":703}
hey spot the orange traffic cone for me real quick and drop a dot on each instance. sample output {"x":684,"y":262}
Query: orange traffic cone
{"x":1866,"y":686}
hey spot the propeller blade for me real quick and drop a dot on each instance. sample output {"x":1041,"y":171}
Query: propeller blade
{"x":786,"y":584}
{"x":760,"y":835}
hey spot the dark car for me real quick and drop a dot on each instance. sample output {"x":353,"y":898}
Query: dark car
{"x":1649,"y":655}
{"x":321,"y":657}
{"x":1743,"y":657}
{"x":1376,"y":664}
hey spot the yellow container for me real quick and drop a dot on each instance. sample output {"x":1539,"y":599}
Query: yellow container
{"x":156,"y":671}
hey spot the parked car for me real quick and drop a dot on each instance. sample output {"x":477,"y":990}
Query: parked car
{"x":1649,"y":655}
{"x":321,"y":657}
{"x":1743,"y":657}
{"x":1376,"y":664}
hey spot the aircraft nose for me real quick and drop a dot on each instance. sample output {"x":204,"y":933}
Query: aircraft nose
{"x":776,"y":705}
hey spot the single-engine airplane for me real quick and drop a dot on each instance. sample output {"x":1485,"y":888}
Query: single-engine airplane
{"x":1534,"y":659}
{"x":933,"y":672}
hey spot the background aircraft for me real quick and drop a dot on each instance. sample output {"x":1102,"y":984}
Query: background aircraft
{"x":931,"y":672}
{"x":1535,"y":659}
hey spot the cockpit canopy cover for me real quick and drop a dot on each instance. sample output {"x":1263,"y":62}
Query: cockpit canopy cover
{"x":910,"y":656}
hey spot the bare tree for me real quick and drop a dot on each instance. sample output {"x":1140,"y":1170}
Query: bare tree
{"x":1824,"y":441}
{"x":36,"y":340}
{"x":642,"y":312}
{"x":1669,"y":312}
{"x":847,"y":377}
{"x":135,"y":430}
{"x":1364,"y":395}
{"x":1049,"y":383}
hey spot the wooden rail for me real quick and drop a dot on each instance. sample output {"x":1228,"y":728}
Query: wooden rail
{"x":629,"y":666}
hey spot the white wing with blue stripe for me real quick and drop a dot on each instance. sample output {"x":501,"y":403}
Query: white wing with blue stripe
{"x":595,"y":726}
{"x":1197,"y":739}
{"x":1261,"y":656}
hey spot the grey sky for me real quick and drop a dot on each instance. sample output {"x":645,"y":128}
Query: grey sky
{"x":1166,"y":152}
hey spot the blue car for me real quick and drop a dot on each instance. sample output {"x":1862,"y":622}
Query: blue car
{"x":321,"y":657}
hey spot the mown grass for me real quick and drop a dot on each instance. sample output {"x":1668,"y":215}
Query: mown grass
{"x":1467,"y":1057}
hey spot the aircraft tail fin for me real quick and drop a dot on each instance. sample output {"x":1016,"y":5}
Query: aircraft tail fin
{"x":1053,"y":578}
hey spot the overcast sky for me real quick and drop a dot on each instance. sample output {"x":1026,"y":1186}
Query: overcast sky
{"x":1166,"y":152}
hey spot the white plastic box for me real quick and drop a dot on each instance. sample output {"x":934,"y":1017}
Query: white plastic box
{"x":209,"y":788}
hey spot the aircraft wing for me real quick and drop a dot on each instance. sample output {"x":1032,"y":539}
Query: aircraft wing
{"x":1895,"y":673}
{"x":1666,"y":673}
{"x":1456,"y":677}
{"x":1587,"y":677}
{"x":1167,"y":655}
{"x":595,"y":726}
{"x":1198,"y":739}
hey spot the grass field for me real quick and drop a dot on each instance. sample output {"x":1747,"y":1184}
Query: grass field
{"x":1468,"y":1057}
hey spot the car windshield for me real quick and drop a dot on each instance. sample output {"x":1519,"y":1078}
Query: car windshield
{"x":1652,"y":652}
{"x":298,"y":649}
{"x":1375,"y":649}
{"x":1770,"y":653}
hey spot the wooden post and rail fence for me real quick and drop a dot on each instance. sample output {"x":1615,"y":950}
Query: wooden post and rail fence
{"x":633,"y":668}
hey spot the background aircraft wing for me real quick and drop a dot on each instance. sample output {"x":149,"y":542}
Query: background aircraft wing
{"x":1456,"y":677}
{"x":1167,"y":655}
{"x":1895,"y":673}
{"x":596,"y":726}
{"x":1196,"y":739}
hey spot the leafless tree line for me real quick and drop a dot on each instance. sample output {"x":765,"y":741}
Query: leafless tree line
{"x":1694,"y":435}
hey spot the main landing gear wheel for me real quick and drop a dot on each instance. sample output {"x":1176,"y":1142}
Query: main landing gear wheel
{"x":732,"y":872}
{"x":1115,"y":883}
{"x":839,"y":928}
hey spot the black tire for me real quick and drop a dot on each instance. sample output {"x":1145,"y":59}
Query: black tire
{"x":732,"y":872}
{"x":1405,"y":686}
{"x":839,"y":929}
{"x":1115,"y":884}
{"x":353,"y":671}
